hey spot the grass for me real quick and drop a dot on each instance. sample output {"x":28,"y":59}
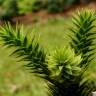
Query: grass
{"x":52,"y":34}
{"x":15,"y":80}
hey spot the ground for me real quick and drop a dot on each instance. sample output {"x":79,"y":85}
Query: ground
{"x":43,"y":16}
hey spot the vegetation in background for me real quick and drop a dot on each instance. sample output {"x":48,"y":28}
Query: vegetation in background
{"x":63,"y":69}
{"x":37,"y":5}
{"x":10,"y":8}
{"x":25,"y":6}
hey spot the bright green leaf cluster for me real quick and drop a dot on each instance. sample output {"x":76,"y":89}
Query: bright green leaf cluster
{"x":64,"y":62}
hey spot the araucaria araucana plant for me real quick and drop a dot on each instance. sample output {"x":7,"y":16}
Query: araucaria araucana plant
{"x":64,"y":68}
{"x":82,"y":41}
{"x":83,"y":30}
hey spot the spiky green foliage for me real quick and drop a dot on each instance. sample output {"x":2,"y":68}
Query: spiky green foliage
{"x":87,"y":85}
{"x":26,"y":47}
{"x":83,"y":43}
{"x":61,"y":68}
{"x":66,"y":75}
{"x":64,"y":62}
{"x":65,"y":70}
{"x":83,"y":30}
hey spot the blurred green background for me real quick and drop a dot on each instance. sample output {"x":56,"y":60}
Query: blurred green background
{"x":10,"y":8}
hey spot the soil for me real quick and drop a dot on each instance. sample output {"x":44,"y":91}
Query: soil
{"x":43,"y":16}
